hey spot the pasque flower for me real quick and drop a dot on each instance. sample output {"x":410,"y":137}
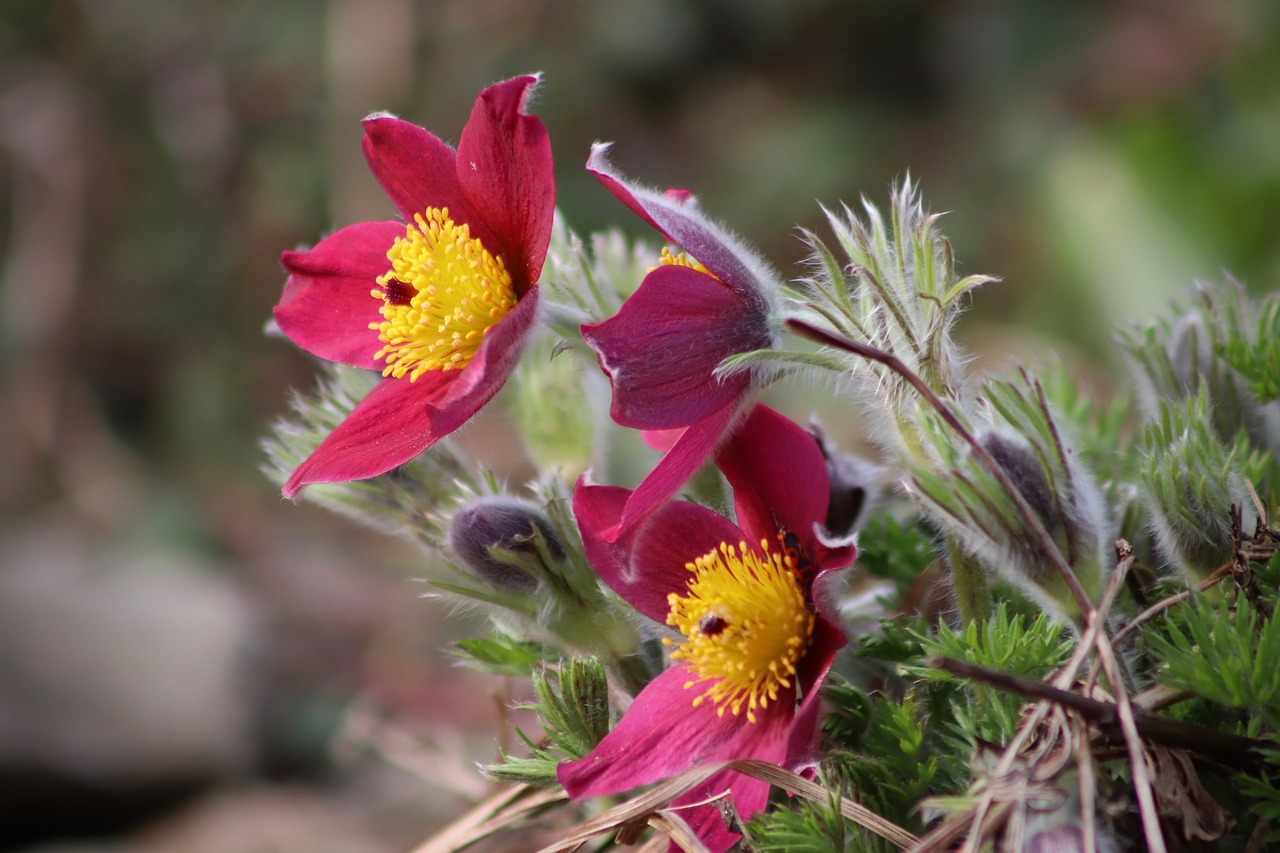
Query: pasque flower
{"x":663,"y":346}
{"x":755,"y":639}
{"x":440,"y":303}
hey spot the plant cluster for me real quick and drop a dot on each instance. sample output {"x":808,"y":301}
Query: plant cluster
{"x":1034,"y":620}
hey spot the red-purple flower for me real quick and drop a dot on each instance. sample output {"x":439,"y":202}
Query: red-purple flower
{"x":441,"y":305}
{"x":662,"y":348}
{"x":756,"y":639}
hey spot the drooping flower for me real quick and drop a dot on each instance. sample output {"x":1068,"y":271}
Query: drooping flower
{"x":662,"y":348}
{"x":441,"y":305}
{"x":755,"y":641}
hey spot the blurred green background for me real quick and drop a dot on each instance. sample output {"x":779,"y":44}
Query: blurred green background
{"x":187,"y":662}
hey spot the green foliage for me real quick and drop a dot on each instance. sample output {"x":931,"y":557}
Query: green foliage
{"x":888,"y":754}
{"x":1005,"y":643}
{"x":1225,"y":653}
{"x":396,"y":502}
{"x":896,"y":288}
{"x":502,"y":654}
{"x":1264,"y":793}
{"x":1190,"y":483}
{"x":1101,"y":431}
{"x":989,"y":501}
{"x":1210,"y":348}
{"x":896,"y":550}
{"x":809,"y":827}
{"x":573,"y":705}
{"x":1257,"y":357}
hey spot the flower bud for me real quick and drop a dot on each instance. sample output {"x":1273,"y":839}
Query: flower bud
{"x":1191,"y":482}
{"x":504,"y":542}
{"x":1065,"y":509}
{"x":1027,"y":476}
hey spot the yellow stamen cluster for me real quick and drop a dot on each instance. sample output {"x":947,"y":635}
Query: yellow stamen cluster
{"x":680,"y":260}
{"x":746,"y":624}
{"x":444,"y":291}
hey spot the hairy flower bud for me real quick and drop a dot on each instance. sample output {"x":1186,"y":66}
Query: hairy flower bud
{"x":1178,"y":357}
{"x":498,"y":540}
{"x":1025,"y":472}
{"x":1191,"y":482}
{"x":1062,"y":511}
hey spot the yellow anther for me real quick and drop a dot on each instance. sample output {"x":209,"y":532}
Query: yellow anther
{"x":746,"y":624}
{"x":444,"y":291}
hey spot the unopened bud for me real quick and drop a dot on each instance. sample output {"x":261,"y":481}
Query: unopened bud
{"x":1062,"y":509}
{"x":1191,"y":482}
{"x":1027,"y":475}
{"x":497,"y":538}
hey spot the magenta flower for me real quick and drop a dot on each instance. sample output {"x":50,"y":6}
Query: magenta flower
{"x":441,"y":305}
{"x":756,"y":636}
{"x":662,"y":348}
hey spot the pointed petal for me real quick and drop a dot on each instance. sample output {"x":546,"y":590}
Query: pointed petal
{"x":679,"y":220}
{"x":663,"y":734}
{"x":391,"y":425}
{"x":504,"y":166}
{"x":779,"y":477}
{"x":686,"y":455}
{"x":660,"y":349}
{"x":326,"y":308}
{"x":651,"y":564}
{"x":399,"y":419}
{"x":418,"y":171}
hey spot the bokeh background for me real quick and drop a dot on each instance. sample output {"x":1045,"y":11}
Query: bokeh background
{"x":189,"y":663}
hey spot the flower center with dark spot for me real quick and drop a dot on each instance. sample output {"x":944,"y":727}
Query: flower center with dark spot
{"x":746,"y":624}
{"x":444,"y":291}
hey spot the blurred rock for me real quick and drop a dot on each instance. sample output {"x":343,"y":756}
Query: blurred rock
{"x":123,"y":680}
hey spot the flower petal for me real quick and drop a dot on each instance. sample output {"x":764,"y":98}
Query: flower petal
{"x":686,"y":455}
{"x":779,"y":476}
{"x":812,"y":670}
{"x":399,"y":419}
{"x":326,"y":308}
{"x":660,"y":349}
{"x":662,"y":733}
{"x":651,"y":564}
{"x":418,"y":171}
{"x":661,"y":440}
{"x":497,"y":357}
{"x":750,"y":796}
{"x":395,"y":422}
{"x":504,"y":166}
{"x":677,"y":217}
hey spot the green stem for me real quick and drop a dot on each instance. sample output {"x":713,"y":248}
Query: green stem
{"x":973,"y":598}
